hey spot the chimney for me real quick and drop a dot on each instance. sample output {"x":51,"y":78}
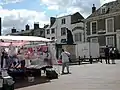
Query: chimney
{"x":27,"y":27}
{"x":36,"y":25}
{"x":93,"y":8}
{"x":52,"y":21}
{"x":13,"y":30}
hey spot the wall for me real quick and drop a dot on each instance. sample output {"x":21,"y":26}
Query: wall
{"x":117,"y":24}
{"x":59,"y":26}
{"x":102,"y":40}
{"x":75,"y":28}
{"x":88,"y":28}
{"x":51,"y":35}
{"x":101,"y":24}
{"x":37,"y":32}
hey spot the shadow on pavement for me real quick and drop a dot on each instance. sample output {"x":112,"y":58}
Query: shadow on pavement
{"x":66,"y":73}
{"x":20,"y":83}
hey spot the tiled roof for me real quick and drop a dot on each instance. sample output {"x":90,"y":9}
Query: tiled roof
{"x":111,"y":8}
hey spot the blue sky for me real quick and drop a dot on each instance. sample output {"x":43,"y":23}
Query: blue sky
{"x":18,"y":13}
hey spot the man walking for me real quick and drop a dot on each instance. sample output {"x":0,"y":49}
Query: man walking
{"x":65,"y":61}
{"x":106,"y":50}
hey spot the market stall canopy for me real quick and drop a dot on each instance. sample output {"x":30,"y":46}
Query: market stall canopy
{"x":25,"y":38}
{"x":13,"y":43}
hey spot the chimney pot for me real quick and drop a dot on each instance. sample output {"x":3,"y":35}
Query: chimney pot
{"x":36,"y":25}
{"x":93,"y":8}
{"x":27,"y":27}
{"x":13,"y":30}
{"x":52,"y":21}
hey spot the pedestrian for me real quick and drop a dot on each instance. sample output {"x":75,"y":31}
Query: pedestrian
{"x":116,"y":53}
{"x":112,"y":55}
{"x":65,"y":61}
{"x":91,"y":60}
{"x":100,"y":59}
{"x":106,"y":51}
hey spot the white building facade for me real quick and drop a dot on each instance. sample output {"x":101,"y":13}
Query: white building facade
{"x":57,"y":28}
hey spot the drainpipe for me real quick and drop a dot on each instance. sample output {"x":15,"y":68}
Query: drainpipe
{"x":84,"y":31}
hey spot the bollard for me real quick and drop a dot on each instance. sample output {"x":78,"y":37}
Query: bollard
{"x":79,"y":60}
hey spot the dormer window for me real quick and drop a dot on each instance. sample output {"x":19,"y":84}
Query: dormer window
{"x":103,"y":9}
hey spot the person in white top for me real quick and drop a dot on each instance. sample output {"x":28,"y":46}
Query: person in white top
{"x":65,"y":61}
{"x":12,"y":50}
{"x":11,"y":54}
{"x":21,"y":58}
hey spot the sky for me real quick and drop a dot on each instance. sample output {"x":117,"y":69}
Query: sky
{"x":18,"y":13}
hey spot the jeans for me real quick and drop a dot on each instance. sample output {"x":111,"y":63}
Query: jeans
{"x":107,"y":60}
{"x":11,"y":60}
{"x":65,"y":64}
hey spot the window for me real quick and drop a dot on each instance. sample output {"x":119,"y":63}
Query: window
{"x":78,"y":37}
{"x":53,"y":38}
{"x":110,"y":25}
{"x":63,"y":31}
{"x":110,"y":40}
{"x":94,"y":40}
{"x":63,"y":21}
{"x":52,"y":30}
{"x":94,"y":28}
{"x":63,"y":40}
{"x":48,"y":31}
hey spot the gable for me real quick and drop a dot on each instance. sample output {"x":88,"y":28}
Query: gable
{"x":77,"y":17}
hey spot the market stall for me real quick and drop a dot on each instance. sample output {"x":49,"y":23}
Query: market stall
{"x":33,"y":59}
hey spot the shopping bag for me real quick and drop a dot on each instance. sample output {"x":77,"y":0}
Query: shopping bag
{"x":59,"y":61}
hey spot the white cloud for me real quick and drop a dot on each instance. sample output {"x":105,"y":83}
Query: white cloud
{"x":61,"y":4}
{"x":19,"y":18}
{"x":53,"y":7}
{"x":2,"y":2}
{"x":71,"y":6}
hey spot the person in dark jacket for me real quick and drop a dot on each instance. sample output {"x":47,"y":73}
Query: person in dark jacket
{"x":106,"y":51}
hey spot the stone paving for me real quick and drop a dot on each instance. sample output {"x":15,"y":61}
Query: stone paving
{"x":85,"y":77}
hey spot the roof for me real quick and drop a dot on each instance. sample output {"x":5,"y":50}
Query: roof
{"x":24,"y":32}
{"x":111,"y":7}
{"x":76,"y":17}
{"x":46,"y":26}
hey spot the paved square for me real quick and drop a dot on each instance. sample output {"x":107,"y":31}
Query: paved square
{"x":85,"y":77}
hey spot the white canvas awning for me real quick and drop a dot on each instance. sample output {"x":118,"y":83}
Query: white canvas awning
{"x":25,"y":38}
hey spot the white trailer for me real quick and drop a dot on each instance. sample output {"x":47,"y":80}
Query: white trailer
{"x":87,"y":49}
